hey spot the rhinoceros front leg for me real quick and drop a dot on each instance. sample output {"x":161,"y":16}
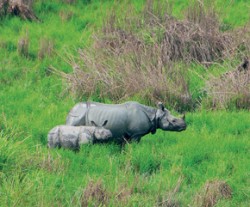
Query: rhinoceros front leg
{"x":137,"y":139}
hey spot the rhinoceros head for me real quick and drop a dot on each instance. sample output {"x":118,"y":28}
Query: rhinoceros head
{"x":168,"y":122}
{"x":100,"y":132}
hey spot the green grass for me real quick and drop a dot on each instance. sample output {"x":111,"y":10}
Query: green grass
{"x":215,"y":145}
{"x":231,"y":13}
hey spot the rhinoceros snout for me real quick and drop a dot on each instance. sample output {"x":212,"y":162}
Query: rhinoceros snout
{"x":183,"y":127}
{"x":177,"y":125}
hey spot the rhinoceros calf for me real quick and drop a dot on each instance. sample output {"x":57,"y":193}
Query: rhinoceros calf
{"x":127,"y":121}
{"x":72,"y":137}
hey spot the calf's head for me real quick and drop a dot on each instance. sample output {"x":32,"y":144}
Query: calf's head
{"x":100,"y":131}
{"x":168,"y":122}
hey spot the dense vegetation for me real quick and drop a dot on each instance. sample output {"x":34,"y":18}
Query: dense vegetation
{"x":165,"y":169}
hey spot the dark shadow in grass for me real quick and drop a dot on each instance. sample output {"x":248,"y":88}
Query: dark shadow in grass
{"x":196,"y":160}
{"x":145,"y":167}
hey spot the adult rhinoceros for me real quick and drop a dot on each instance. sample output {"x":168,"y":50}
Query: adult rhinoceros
{"x":127,"y":121}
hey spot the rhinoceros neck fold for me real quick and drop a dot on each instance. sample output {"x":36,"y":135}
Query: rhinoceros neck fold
{"x":151,"y":114}
{"x":154,"y":126}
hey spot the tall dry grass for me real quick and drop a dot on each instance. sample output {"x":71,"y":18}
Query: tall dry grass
{"x":212,"y":192}
{"x":230,"y":90}
{"x":139,"y":55}
{"x":23,"y":45}
{"x":46,"y":48}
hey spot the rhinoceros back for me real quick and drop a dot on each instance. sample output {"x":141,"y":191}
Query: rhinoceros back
{"x":115,"y":114}
{"x":76,"y":116}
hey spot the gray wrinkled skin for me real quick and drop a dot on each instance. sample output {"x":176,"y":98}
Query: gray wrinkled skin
{"x":72,"y":137}
{"x":128,"y":121}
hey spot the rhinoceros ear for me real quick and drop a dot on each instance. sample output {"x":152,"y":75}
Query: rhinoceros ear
{"x":160,"y":106}
{"x":105,"y":122}
{"x":94,"y":124}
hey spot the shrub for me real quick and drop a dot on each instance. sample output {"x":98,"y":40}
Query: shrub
{"x":46,"y":48}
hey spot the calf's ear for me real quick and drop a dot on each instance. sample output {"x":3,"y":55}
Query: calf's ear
{"x":160,"y":106}
{"x":183,"y":116}
{"x":93,"y":123}
{"x":105,"y":122}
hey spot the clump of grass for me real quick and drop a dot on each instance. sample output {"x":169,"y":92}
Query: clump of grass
{"x":46,"y":48}
{"x":95,"y":194}
{"x":51,"y":163}
{"x":212,"y":192}
{"x":195,"y":38}
{"x":144,"y":166}
{"x":230,"y":90}
{"x":22,"y":8}
{"x":23,"y":45}
{"x":66,"y":15}
{"x":170,"y":200}
{"x":123,"y":194}
{"x":70,"y":1}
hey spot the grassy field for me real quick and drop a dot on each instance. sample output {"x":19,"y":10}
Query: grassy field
{"x":210,"y":149}
{"x":162,"y":169}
